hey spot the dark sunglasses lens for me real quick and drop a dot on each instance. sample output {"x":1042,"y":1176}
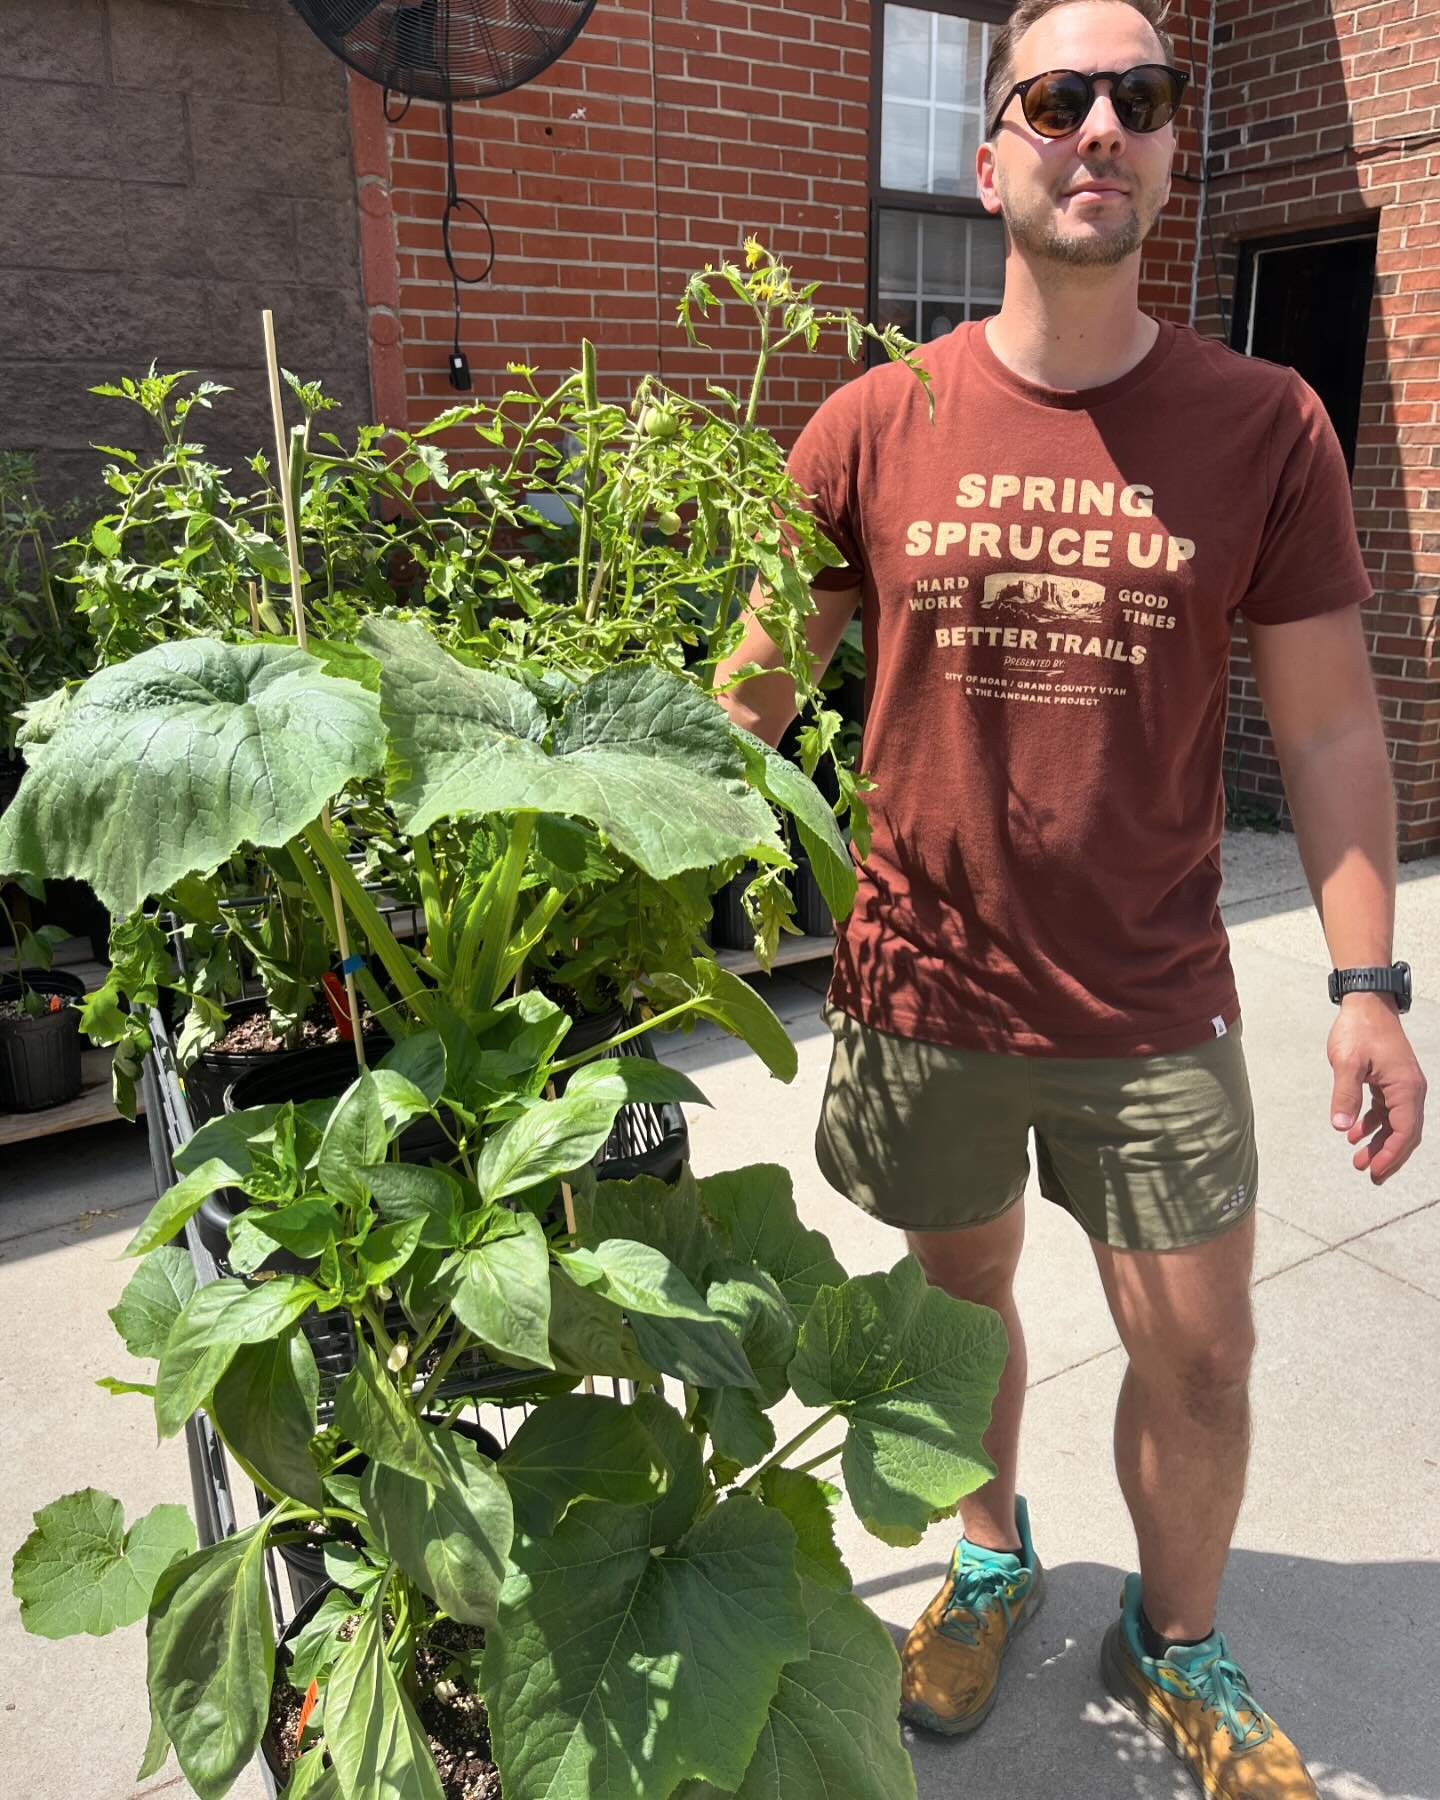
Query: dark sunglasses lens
{"x":1146,"y":98}
{"x":1057,"y":104}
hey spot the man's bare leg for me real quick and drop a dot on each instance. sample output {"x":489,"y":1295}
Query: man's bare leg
{"x":978,"y":1264}
{"x":1182,"y":1426}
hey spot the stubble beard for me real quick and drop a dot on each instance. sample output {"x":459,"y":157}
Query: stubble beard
{"x":1037,"y":232}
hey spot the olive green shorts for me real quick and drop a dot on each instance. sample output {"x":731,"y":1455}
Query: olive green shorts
{"x":1147,"y":1152}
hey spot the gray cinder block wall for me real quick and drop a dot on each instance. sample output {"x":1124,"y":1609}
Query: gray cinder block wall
{"x":167,"y":168}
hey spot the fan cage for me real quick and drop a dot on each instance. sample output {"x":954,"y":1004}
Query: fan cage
{"x":447,"y":50}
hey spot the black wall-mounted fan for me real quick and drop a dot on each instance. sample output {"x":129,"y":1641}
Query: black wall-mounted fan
{"x":449,"y":50}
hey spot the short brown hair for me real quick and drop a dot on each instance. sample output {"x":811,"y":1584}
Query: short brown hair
{"x":1000,"y":70}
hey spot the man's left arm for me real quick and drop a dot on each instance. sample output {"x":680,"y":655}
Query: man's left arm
{"x":1318,"y":692}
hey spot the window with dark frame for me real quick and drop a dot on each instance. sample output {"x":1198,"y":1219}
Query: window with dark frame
{"x":936,"y":256}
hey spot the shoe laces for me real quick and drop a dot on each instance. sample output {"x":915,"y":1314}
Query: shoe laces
{"x":974,"y":1589}
{"x":1224,"y":1691}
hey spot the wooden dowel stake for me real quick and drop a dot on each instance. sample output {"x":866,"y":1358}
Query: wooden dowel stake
{"x":297,"y":612}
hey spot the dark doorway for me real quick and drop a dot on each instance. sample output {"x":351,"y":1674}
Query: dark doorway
{"x":1305,"y":301}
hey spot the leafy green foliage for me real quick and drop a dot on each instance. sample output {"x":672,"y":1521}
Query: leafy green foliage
{"x":167,"y":764}
{"x":81,"y":1571}
{"x":914,"y":1374}
{"x":211,"y":1659}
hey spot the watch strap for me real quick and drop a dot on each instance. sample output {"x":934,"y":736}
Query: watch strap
{"x":1381,"y":978}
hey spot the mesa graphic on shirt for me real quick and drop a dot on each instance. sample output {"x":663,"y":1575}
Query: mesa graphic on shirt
{"x":1050,"y":584}
{"x":1038,"y":612}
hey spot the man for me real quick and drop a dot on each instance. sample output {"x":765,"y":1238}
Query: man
{"x":1049,"y":579}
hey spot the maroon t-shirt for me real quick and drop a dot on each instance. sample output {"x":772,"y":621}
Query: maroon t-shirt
{"x":1050,"y":581}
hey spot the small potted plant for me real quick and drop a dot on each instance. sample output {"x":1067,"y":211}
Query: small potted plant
{"x":39,"y":1023}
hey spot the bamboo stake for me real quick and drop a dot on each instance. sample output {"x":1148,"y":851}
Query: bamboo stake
{"x":297,"y":610}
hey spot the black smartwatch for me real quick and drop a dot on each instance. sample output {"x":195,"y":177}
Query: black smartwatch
{"x":1394,"y":980}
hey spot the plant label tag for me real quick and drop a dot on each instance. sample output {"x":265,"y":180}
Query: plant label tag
{"x":1220,"y":1026}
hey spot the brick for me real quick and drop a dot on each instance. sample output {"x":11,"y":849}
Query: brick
{"x":184,"y":49}
{"x":94,"y":131}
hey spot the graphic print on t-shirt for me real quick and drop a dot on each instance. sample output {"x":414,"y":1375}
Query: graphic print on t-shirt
{"x":1020,"y":627}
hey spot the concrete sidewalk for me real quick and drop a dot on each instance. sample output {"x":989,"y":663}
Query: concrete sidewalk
{"x":1332,"y":1597}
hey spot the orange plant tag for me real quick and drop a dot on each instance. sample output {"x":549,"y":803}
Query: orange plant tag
{"x":312,"y":1694}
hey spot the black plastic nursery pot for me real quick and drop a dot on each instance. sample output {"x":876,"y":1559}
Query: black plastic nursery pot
{"x":812,"y":915}
{"x":213,"y":1072}
{"x":39,"y":1057}
{"x":305,"y":1563}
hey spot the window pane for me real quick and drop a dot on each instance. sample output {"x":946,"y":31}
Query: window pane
{"x":957,"y":137}
{"x":933,"y":75}
{"x":905,"y":146}
{"x":898,"y":243}
{"x":907,"y":52}
{"x":936,"y":269}
{"x":987,"y":257}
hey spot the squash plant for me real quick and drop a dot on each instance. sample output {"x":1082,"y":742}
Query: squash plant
{"x":656,"y":1586}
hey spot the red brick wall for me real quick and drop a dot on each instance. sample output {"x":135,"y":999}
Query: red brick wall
{"x":1319,"y":81}
{"x":669,"y":130}
{"x":674,"y":127}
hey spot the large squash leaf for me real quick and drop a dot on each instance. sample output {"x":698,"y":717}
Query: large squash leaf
{"x":914,"y":1374}
{"x":755,"y":1208}
{"x":165,"y":765}
{"x":833,"y":1732}
{"x":81,"y":1571}
{"x":597,"y":1624}
{"x":639,"y":752}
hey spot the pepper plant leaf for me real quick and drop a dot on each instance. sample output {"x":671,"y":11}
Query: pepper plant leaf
{"x":378,"y":1746}
{"x":914,"y":1374}
{"x":595,"y":1620}
{"x":211,"y":1659}
{"x":550,"y":1138}
{"x":452,"y":1538}
{"x":81,"y":1571}
{"x":637,"y":751}
{"x":264,"y":1408}
{"x":170,"y":1213}
{"x":163,"y":766}
{"x":212,"y":1325}
{"x":503,"y":1292}
{"x":432,"y":1195}
{"x":370,"y":1414}
{"x":633,"y":1078}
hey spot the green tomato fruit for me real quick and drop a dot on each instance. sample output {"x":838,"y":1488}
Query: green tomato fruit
{"x":668,"y":522}
{"x":659,"y":422}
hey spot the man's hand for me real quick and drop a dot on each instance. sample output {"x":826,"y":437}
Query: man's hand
{"x":1368,"y":1046}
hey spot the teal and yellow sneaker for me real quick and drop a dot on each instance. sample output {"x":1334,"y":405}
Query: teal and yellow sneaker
{"x":950,"y":1663}
{"x":1199,"y":1703}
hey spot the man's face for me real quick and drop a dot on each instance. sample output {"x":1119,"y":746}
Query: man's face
{"x":1036,"y":183}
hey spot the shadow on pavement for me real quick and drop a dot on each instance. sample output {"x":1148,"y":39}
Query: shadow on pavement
{"x":1336,"y":1651}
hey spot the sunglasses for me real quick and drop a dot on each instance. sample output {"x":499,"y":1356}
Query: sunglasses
{"x":1058,"y":102}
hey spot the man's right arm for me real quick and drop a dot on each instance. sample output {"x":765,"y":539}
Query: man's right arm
{"x":765,"y":704}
